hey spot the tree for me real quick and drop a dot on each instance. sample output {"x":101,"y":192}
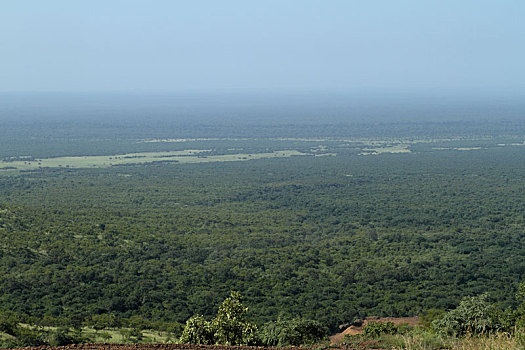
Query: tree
{"x":229,"y":327}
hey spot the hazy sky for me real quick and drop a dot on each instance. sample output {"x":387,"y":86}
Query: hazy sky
{"x":172,"y":45}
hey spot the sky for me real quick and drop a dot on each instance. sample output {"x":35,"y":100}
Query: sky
{"x":200,"y":45}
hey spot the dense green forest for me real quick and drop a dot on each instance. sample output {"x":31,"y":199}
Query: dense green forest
{"x":330,"y":238}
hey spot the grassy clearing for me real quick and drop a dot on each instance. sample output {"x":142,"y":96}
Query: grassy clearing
{"x":363,"y":146}
{"x":125,"y":335}
{"x":186,"y":156}
{"x":386,"y":149}
{"x":110,"y":335}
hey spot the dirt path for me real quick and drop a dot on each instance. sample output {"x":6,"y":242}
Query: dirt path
{"x":358,"y":329}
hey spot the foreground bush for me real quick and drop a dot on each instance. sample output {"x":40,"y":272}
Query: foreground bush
{"x":229,"y":327}
{"x":474,"y":315}
{"x":296,"y":332}
{"x":197,"y":331}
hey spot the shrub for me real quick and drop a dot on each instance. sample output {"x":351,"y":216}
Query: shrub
{"x":474,"y":315}
{"x":28,"y":337}
{"x":63,"y":336}
{"x":376,"y":329}
{"x":175,"y":328}
{"x":103,"y":321}
{"x":106,"y":336}
{"x":8,"y":324}
{"x":229,"y":327}
{"x":197,"y":331}
{"x":269,"y":334}
{"x":298,"y":331}
{"x":136,"y":322}
{"x":429,"y":316}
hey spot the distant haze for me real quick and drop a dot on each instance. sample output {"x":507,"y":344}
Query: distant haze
{"x":202,"y":45}
{"x":260,"y":107}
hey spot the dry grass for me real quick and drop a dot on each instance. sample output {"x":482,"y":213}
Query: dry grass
{"x":424,"y":341}
{"x":497,"y":342}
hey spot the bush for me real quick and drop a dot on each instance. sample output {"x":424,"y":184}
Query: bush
{"x":429,"y":316}
{"x":28,"y":337}
{"x":269,"y":335}
{"x":8,"y":324}
{"x":298,"y":331}
{"x":175,"y":328}
{"x":132,"y":335}
{"x":229,"y":327}
{"x":103,"y":321}
{"x":474,"y":315}
{"x":197,"y":331}
{"x":63,"y":336}
{"x":376,"y":329}
{"x":106,"y":336}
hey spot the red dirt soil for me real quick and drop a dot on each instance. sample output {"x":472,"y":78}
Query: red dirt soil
{"x":353,"y":330}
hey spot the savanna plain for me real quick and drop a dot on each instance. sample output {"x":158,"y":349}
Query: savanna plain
{"x":386,"y":235}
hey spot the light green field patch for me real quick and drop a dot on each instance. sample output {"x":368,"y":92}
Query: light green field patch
{"x":467,"y":148}
{"x":192,"y":140}
{"x":385,"y":149}
{"x":186,"y":156}
{"x":456,"y":148}
{"x":243,"y":156}
{"x":325,"y":154}
{"x":118,"y":336}
{"x":364,"y":141}
{"x":512,"y":144}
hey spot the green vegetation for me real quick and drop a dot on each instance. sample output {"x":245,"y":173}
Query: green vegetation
{"x":124,"y":250}
{"x":474,"y":315}
{"x":297,"y":331}
{"x":376,"y":329}
{"x":228,"y":327}
{"x":475,"y":324}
